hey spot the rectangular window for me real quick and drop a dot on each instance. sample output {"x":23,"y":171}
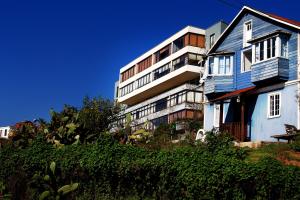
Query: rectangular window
{"x":216,"y":115}
{"x":143,"y":80}
{"x":261,"y":50}
{"x":274,"y":105}
{"x":246,"y":60}
{"x":127,"y":74}
{"x":162,"y":71}
{"x":247,"y":34}
{"x":127,"y":89}
{"x":211,"y":40}
{"x":221,"y":69}
{"x":163,"y":53}
{"x":220,"y":65}
{"x":211,"y":65}
{"x":267,"y":49}
{"x":284,"y":47}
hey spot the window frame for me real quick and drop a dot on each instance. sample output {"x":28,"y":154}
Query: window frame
{"x":269,"y":116}
{"x":243,"y":62}
{"x":245,"y":43}
{"x":216,"y":63}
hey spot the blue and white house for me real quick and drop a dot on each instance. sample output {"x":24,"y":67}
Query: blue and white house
{"x":252,"y":82}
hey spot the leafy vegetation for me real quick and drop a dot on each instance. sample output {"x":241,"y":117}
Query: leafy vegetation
{"x":96,"y":166}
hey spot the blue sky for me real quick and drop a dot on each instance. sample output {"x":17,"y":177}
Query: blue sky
{"x":56,"y":52}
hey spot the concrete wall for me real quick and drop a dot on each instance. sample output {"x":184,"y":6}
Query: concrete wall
{"x":216,"y":29}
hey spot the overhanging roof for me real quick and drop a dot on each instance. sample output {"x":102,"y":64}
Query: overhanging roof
{"x":236,"y":93}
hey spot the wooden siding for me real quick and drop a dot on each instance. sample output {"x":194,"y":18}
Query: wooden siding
{"x":260,"y":26}
{"x":276,"y":68}
{"x":215,"y":84}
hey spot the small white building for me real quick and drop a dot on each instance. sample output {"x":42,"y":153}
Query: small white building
{"x":4,"y":132}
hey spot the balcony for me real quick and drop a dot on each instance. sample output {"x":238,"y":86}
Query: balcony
{"x":218,"y":84}
{"x":273,"y":70}
{"x":177,"y":71}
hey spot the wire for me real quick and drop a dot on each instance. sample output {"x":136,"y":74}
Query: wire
{"x":230,"y":4}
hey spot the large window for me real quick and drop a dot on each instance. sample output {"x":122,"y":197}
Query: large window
{"x":163,"y":53}
{"x":126,"y":89}
{"x":144,"y":64}
{"x":220,"y":65}
{"x":127,"y":74}
{"x":162,"y":71}
{"x":270,"y":48}
{"x":186,"y":59}
{"x":143,"y":80}
{"x":274,"y":104}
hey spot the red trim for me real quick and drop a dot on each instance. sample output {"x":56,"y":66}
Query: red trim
{"x":234,"y":93}
{"x":284,"y":19}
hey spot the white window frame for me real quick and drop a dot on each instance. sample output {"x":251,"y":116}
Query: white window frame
{"x":215,"y":67}
{"x":280,"y":100}
{"x":216,"y":120}
{"x":278,"y":44}
{"x":245,"y":43}
{"x":242,"y":59}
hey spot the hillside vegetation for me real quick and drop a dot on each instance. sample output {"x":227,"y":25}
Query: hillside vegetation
{"x":74,"y":157}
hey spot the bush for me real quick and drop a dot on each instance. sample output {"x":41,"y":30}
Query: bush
{"x":106,"y":169}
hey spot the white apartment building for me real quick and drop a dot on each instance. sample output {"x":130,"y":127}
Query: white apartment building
{"x":162,"y":85}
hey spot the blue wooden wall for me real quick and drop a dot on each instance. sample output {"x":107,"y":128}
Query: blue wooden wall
{"x":234,"y":43}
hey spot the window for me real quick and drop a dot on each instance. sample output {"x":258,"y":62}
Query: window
{"x":5,"y":132}
{"x":247,"y":34}
{"x":220,"y":65}
{"x":162,"y":71}
{"x":161,"y":104}
{"x":246,"y":60}
{"x":127,"y":89}
{"x":274,"y":105}
{"x":178,"y":44}
{"x":0,"y":133}
{"x":127,"y":74}
{"x":143,"y":80}
{"x":190,"y":59}
{"x":211,"y":40}
{"x":271,"y":47}
{"x":163,"y":53}
{"x":216,"y":115}
{"x":284,"y":47}
{"x":144,"y":64}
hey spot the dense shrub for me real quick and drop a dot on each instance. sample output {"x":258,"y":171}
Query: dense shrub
{"x":108,"y":170}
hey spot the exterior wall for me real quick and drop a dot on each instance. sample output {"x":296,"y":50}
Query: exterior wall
{"x":116,"y":91}
{"x":234,"y":42}
{"x":216,"y":29}
{"x":263,"y":127}
{"x":2,"y":132}
{"x":274,"y":68}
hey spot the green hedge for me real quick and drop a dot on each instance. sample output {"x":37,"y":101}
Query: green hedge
{"x":108,"y":170}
